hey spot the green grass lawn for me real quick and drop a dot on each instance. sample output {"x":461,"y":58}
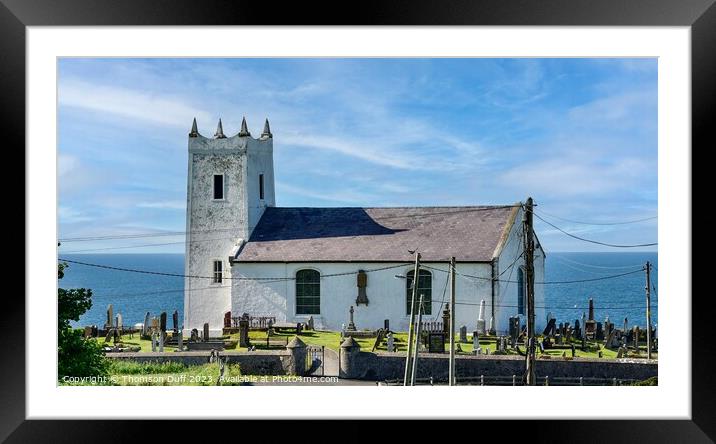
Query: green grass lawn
{"x":331,"y":340}
{"x":123,"y":372}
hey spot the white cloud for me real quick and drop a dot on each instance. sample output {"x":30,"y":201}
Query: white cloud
{"x":129,"y":103}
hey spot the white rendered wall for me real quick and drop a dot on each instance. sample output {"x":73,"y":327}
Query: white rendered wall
{"x":386,"y":293}
{"x":506,"y":293}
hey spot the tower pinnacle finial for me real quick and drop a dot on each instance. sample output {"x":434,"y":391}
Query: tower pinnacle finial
{"x":219,"y":131}
{"x":267,"y":130}
{"x":194,"y":132}
{"x":244,"y":129}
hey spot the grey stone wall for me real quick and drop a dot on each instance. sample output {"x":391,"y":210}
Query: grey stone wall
{"x":251,"y":363}
{"x":383,"y":366}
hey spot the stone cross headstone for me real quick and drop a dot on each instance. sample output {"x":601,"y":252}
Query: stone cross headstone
{"x":175,"y":321}
{"x":206,"y":332}
{"x":391,"y":342}
{"x":463,"y":334}
{"x":145,"y":326}
{"x":110,"y":316}
{"x":163,"y":321}
{"x":351,"y":324}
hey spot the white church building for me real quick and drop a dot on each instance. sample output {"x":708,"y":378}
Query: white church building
{"x":246,"y":255}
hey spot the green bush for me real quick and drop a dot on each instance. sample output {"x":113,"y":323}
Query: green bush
{"x":125,"y":367}
{"x":79,"y":357}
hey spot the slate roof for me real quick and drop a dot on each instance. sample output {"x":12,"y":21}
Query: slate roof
{"x":471,"y":234}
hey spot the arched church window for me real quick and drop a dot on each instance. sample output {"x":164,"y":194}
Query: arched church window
{"x":425,"y":287}
{"x":308,"y":292}
{"x":520,"y":291}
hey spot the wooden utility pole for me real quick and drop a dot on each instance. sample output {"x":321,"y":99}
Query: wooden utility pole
{"x":648,"y":309}
{"x":452,"y":322}
{"x":529,"y":247}
{"x":406,"y":378}
{"x":418,"y":331}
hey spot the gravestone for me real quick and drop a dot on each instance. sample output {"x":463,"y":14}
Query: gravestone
{"x":481,"y":318}
{"x":577,"y":329}
{"x":574,"y":351}
{"x":446,"y":318}
{"x":492,"y":326}
{"x":180,"y":341}
{"x":549,"y":330}
{"x":515,"y":329}
{"x":635,"y":334}
{"x":567,"y":332}
{"x":547,"y":342}
{"x":205,"y":333}
{"x":362,"y":283}
{"x":463,"y":334}
{"x":163,"y":322}
{"x":160,"y":338}
{"x":560,"y":330}
{"x":591,"y":309}
{"x":458,"y":348}
{"x":175,"y":321}
{"x":244,"y":331}
{"x":558,"y":339}
{"x":386,"y":324}
{"x":299,"y":328}
{"x":351,"y":324}
{"x":145,"y":326}
{"x":194,"y":335}
{"x":119,"y":321}
{"x":476,"y":342}
{"x":154,"y":341}
{"x":600,"y":332}
{"x":621,"y":353}
{"x":88,"y":331}
{"x":436,"y":342}
{"x":626,"y":325}
{"x":95,"y":331}
{"x":391,"y":342}
{"x":309,"y":324}
{"x":227,"y":319}
{"x":110,"y":316}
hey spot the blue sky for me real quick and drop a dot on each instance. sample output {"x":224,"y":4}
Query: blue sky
{"x":578,"y":135}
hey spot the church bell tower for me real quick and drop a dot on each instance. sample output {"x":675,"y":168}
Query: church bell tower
{"x":230,"y":182}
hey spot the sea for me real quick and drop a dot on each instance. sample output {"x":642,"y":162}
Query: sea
{"x":133,"y":294}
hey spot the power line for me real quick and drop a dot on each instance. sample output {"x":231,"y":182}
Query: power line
{"x":599,"y":223}
{"x":590,"y":240}
{"x":545,"y":282}
{"x":620,"y":267}
{"x":271,"y":279}
{"x":141,"y":235}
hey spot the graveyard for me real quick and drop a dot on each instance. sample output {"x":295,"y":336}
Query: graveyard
{"x":155,"y":353}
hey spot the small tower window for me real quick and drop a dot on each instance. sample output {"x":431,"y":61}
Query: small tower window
{"x":218,"y":186}
{"x":261,"y":186}
{"x":218,"y":271}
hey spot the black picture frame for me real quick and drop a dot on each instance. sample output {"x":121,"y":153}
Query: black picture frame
{"x":699,"y":15}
